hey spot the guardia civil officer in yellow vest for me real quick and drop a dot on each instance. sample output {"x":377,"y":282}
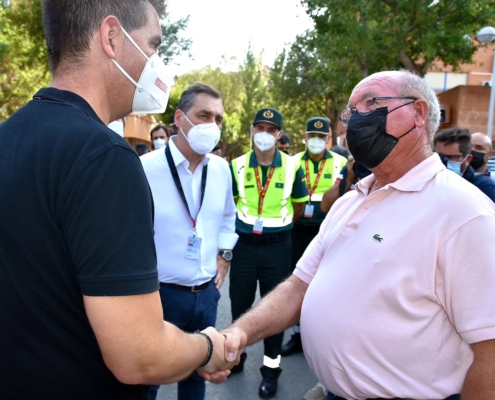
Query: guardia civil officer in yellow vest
{"x":321,"y":168}
{"x":270,"y":192}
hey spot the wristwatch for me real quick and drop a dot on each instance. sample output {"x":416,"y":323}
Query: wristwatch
{"x":226,"y":254}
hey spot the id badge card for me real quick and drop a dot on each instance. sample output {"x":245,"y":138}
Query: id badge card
{"x":193,"y":251}
{"x":309,"y":210}
{"x":258,"y":227}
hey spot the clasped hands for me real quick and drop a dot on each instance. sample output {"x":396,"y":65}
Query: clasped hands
{"x":228,"y":346}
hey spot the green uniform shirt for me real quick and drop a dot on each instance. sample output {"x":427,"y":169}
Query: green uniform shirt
{"x":333,"y":165}
{"x":273,"y":199}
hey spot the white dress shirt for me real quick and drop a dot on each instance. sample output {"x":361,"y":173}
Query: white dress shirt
{"x":215,"y":221}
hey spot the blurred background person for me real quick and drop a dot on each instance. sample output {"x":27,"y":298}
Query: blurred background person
{"x":481,"y":151}
{"x":453,"y":145}
{"x":283,"y":144}
{"x":142,"y":148}
{"x":159,"y":136}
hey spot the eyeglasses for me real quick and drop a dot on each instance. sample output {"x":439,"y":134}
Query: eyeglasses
{"x":368,"y":105}
{"x":453,"y":157}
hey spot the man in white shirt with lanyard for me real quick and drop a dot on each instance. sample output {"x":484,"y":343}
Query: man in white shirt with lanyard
{"x":194,"y":219}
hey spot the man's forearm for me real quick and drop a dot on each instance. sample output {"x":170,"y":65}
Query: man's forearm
{"x":276,"y":312}
{"x":329,"y":197}
{"x":480,"y":378}
{"x":178,"y":363}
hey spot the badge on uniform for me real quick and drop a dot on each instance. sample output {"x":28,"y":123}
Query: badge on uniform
{"x":258,"y":227}
{"x":309,"y":210}
{"x":193,"y":251}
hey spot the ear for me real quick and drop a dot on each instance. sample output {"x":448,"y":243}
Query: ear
{"x":420,"y":112}
{"x":111,"y":36}
{"x":178,"y":118}
{"x":468,"y":159}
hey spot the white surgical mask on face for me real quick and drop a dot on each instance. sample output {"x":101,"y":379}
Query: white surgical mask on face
{"x":264,"y":141}
{"x":202,"y":137}
{"x":159,"y":143}
{"x":153,"y":89}
{"x":316,"y":145}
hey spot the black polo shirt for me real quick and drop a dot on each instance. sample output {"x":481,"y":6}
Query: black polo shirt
{"x":75,"y":219}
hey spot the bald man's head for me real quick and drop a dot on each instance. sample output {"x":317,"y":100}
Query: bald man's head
{"x":482,"y":151}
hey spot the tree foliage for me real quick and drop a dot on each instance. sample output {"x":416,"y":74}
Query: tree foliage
{"x":173,"y":43}
{"x":23,"y":62}
{"x":353,"y":39}
{"x":381,"y":34}
{"x":243,"y":93}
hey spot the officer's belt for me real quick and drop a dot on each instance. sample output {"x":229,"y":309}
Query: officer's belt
{"x":265,"y":238}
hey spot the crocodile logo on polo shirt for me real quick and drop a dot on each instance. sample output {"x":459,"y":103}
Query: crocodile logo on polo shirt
{"x":378,"y":238}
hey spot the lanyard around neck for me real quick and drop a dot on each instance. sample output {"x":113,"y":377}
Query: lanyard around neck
{"x":317,"y":180}
{"x":262,"y":190}
{"x":178,"y":184}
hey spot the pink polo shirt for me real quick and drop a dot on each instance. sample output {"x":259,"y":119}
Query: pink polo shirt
{"x":400,"y":282}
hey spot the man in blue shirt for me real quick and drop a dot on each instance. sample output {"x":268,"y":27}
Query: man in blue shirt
{"x":454,"y":147}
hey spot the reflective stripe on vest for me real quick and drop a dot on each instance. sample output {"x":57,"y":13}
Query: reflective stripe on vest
{"x":243,"y":213}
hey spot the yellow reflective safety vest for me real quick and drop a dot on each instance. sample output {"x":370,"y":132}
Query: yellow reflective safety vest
{"x":277,"y":206}
{"x":333,"y":165}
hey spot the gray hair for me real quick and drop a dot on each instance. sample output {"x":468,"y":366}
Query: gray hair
{"x":188,"y":96}
{"x":411,"y":84}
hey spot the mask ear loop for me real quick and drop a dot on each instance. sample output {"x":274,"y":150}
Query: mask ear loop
{"x":140,"y":88}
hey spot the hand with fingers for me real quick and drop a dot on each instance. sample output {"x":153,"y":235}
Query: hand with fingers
{"x":222,"y":270}
{"x":218,"y":368}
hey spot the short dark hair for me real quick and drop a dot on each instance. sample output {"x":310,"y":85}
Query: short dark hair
{"x":455,"y":135}
{"x":142,"y":148}
{"x":284,"y":139}
{"x":188,"y":96}
{"x":158,"y":127}
{"x":69,"y":25}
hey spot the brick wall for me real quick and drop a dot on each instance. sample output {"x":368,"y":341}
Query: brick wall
{"x":468,"y":107}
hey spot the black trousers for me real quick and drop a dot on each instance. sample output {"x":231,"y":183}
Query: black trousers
{"x":268,"y":262}
{"x":301,"y":238}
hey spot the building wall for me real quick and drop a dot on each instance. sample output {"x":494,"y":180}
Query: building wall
{"x":442,"y":78}
{"x":467,"y":107}
{"x":137,"y":129}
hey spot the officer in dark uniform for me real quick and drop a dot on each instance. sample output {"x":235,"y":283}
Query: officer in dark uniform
{"x":270,"y":192}
{"x":322,"y":168}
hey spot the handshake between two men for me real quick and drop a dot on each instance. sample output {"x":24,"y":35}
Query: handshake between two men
{"x":277,"y":311}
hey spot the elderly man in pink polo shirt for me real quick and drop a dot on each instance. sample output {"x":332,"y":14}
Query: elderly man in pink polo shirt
{"x":396,"y":292}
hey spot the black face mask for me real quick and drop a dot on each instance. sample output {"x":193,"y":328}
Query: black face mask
{"x":478,"y":159}
{"x":367,"y":137}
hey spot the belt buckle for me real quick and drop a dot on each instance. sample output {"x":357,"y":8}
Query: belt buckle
{"x":194,"y":289}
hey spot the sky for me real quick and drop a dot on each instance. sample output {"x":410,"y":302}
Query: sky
{"x":226,"y":27}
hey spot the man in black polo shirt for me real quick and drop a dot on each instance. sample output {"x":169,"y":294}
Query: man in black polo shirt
{"x":80,"y":314}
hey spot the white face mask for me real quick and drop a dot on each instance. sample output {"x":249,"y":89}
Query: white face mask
{"x":159,"y":143}
{"x":316,"y":145}
{"x":202,"y":137}
{"x":153,"y":89}
{"x":264,"y":141}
